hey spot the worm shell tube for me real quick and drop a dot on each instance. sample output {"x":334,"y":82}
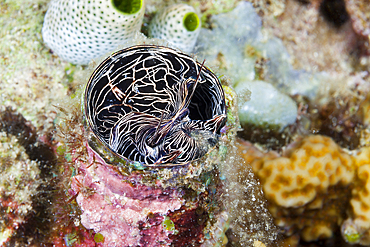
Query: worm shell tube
{"x":178,"y":24}
{"x":82,"y":30}
{"x":155,"y":106}
{"x":132,"y":204}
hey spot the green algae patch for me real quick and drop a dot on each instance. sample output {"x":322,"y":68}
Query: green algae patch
{"x":127,"y":7}
{"x":191,"y":21}
{"x":231,"y":105}
{"x":138,"y":166}
{"x":352,"y":238}
{"x":99,"y":238}
{"x":168,"y":224}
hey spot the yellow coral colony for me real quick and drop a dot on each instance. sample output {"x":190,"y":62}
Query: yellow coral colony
{"x":302,"y":185}
{"x":356,"y":229}
{"x":314,"y":164}
{"x":360,"y":201}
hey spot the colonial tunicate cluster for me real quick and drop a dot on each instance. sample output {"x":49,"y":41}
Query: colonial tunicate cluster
{"x":235,"y":46}
{"x":224,"y":45}
{"x":81,"y":30}
{"x":178,"y":24}
{"x":154,"y":105}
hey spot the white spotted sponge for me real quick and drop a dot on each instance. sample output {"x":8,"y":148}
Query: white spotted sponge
{"x":178,"y":24}
{"x":81,"y":30}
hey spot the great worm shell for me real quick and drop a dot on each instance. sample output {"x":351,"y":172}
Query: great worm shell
{"x":155,"y":105}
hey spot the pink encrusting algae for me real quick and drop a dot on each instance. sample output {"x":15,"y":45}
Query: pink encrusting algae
{"x":119,"y":207}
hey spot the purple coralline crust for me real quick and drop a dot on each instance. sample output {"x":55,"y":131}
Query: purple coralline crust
{"x":119,"y":207}
{"x":190,"y":228}
{"x":150,"y":230}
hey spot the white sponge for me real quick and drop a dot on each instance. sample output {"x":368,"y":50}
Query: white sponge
{"x":178,"y":24}
{"x":81,"y":30}
{"x":267,"y":106}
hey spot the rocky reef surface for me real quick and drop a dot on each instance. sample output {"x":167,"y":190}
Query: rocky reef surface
{"x":294,"y":172}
